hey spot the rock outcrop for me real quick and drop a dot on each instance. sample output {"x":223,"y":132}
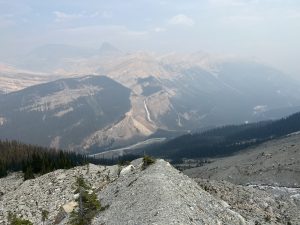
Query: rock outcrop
{"x":258,"y":204}
{"x":160,"y":194}
{"x":53,"y":192}
{"x":139,"y":194}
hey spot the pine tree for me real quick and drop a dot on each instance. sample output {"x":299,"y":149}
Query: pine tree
{"x":28,"y":173}
{"x":3,"y":171}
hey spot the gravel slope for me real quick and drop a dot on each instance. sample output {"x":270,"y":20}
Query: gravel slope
{"x":275,"y":163}
{"x":258,"y":205}
{"x":161,"y":195}
{"x":158,"y":195}
{"x":49,"y":192}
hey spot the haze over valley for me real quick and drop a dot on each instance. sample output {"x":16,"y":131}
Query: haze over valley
{"x":149,"y":112}
{"x":174,"y":93}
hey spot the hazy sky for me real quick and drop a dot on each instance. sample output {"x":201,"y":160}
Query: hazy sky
{"x":265,"y":29}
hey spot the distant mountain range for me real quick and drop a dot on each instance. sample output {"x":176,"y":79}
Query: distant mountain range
{"x":148,"y":95}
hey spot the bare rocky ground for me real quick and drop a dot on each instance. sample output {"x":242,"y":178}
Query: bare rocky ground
{"x":257,"y":204}
{"x":161,"y":195}
{"x":261,"y":183}
{"x":53,"y":192}
{"x":274,"y":163}
{"x":133,"y":195}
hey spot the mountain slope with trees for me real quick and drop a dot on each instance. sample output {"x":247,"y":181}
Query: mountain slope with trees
{"x":30,"y":159}
{"x":225,"y":140}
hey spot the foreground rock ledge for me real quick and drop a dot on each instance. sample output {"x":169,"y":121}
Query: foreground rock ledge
{"x":158,"y":194}
{"x":161,"y":195}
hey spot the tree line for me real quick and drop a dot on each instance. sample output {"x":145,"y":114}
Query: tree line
{"x":31,"y":159}
{"x":225,"y":140}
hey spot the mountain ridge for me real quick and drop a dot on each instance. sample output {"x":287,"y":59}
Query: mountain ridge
{"x":136,"y":194}
{"x":173,"y":94}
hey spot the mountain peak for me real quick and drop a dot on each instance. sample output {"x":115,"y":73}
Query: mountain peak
{"x":106,"y":47}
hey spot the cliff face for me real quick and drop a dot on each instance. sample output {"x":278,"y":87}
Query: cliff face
{"x":157,"y":194}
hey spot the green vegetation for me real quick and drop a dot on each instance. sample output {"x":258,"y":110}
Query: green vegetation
{"x":120,"y":160}
{"x":225,"y":140}
{"x":88,"y":204}
{"x":14,"y":220}
{"x":123,"y":162}
{"x":147,"y":161}
{"x":30,"y":159}
{"x":28,"y":172}
{"x":45,"y":215}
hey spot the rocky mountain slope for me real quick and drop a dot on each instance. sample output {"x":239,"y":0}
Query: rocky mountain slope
{"x":157,"y":194}
{"x":258,"y":204}
{"x":174,"y":92}
{"x":13,"y":79}
{"x":274,"y":163}
{"x":161,"y":195}
{"x":64,"y":112}
{"x":53,"y":192}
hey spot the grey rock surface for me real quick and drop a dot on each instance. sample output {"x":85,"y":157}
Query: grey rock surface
{"x":49,"y":192}
{"x":275,"y":163}
{"x":258,"y":204}
{"x":160,"y":194}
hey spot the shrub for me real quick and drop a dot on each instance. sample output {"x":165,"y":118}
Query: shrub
{"x":124,"y":163}
{"x":147,"y":160}
{"x":45,"y":214}
{"x":14,"y":220}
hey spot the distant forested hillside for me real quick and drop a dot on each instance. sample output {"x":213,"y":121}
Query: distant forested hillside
{"x":30,"y":159}
{"x":33,"y":160}
{"x":225,"y":140}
